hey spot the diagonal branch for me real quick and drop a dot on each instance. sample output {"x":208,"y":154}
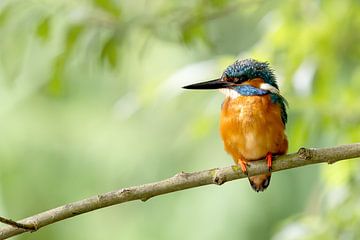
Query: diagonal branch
{"x":181,"y":181}
{"x":16,"y":224}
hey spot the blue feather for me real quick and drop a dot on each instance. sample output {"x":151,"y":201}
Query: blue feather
{"x":248,"y":90}
{"x":249,"y":69}
{"x":281,"y":101}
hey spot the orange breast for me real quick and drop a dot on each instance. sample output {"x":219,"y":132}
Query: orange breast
{"x":251,"y":126}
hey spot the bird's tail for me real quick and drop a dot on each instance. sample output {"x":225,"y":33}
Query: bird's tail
{"x":260,"y":182}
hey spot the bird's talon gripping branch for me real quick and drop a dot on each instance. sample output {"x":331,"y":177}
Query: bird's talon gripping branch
{"x":269,"y":158}
{"x":243,"y":166}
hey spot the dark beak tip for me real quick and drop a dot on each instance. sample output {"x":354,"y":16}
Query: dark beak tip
{"x":213,"y":84}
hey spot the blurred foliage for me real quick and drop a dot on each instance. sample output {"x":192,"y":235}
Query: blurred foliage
{"x":91,"y":101}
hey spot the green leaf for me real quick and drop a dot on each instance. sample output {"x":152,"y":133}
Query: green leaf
{"x":109,"y":6}
{"x":109,"y":52}
{"x":43,"y":29}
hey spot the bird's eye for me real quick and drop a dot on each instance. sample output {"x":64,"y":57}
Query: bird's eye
{"x":243,"y":78}
{"x":240,"y":79}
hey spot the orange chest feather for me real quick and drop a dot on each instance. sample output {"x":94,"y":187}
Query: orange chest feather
{"x":251,"y":126}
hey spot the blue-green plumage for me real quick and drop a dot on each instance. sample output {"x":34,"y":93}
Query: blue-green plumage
{"x":281,"y":101}
{"x":243,"y":70}
{"x":248,"y":90}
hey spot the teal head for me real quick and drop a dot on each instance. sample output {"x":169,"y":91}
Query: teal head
{"x":240,"y":72}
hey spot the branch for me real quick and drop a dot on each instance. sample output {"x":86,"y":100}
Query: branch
{"x":16,"y":224}
{"x":181,"y":181}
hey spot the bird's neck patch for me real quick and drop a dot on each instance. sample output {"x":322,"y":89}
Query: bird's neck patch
{"x":243,"y":90}
{"x":248,"y":90}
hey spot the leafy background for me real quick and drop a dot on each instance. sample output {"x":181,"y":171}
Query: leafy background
{"x":91,"y":101}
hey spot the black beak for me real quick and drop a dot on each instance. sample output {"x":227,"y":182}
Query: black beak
{"x":213,"y":84}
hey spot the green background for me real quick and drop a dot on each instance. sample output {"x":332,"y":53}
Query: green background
{"x":91,"y":101}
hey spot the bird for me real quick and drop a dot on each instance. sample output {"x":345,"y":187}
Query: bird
{"x":253,"y":115}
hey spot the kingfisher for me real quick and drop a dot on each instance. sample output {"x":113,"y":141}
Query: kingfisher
{"x":253,"y":115}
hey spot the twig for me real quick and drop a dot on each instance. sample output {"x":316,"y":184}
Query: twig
{"x":16,"y":224}
{"x":181,"y":181}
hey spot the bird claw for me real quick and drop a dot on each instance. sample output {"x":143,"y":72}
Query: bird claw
{"x":243,"y":166}
{"x":269,"y":159}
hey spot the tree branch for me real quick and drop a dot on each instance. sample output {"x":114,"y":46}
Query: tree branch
{"x":181,"y":181}
{"x":16,"y":224}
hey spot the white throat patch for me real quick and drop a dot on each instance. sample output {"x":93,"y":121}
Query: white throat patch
{"x":229,"y":93}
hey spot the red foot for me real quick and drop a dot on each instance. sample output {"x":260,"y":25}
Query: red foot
{"x":243,"y":165}
{"x":269,"y":158}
